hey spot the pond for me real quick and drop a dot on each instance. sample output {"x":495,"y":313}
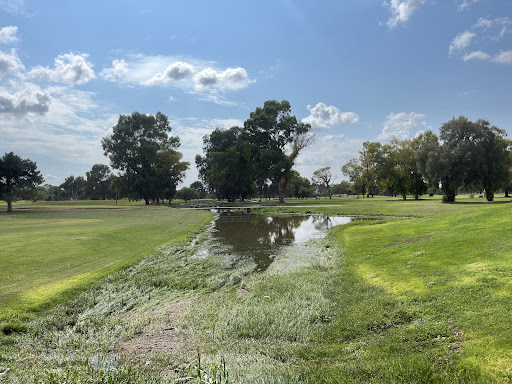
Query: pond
{"x":241,"y":238}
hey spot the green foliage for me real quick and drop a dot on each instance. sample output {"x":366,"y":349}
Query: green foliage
{"x":18,"y":178}
{"x":227,"y":166}
{"x":322,"y":179}
{"x":141,"y":147}
{"x":187,"y":194}
{"x":97,"y":186}
{"x":73,"y":188}
{"x":238,"y":159}
{"x":472,"y":156}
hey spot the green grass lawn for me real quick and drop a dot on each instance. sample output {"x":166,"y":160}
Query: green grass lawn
{"x":421,"y":295}
{"x":46,"y":250}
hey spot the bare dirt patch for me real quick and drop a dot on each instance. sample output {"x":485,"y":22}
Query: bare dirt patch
{"x":163,"y":336}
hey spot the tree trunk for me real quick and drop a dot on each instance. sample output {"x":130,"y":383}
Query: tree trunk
{"x":9,"y":206}
{"x":416,"y":197}
{"x":489,"y":195}
{"x":404,"y":196}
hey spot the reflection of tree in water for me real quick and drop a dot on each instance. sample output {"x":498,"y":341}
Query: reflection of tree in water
{"x":256,"y":236}
{"x":321,"y":223}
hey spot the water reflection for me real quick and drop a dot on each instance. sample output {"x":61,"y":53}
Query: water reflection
{"x":245,"y":237}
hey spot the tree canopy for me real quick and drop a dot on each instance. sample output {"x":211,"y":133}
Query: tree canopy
{"x":262,"y":153}
{"x":17,"y":177}
{"x":142,"y":148}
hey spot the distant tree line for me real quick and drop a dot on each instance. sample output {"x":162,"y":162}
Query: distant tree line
{"x":257,"y":160}
{"x":467,"y":156}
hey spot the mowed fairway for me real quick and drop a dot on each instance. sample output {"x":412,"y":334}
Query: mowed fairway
{"x":45,"y":251}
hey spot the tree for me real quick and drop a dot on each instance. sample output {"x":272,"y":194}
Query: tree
{"x":280,"y":138}
{"x":493,"y":159}
{"x":228,"y":166}
{"x":187,"y":194}
{"x":169,"y":172}
{"x":73,"y":187}
{"x":406,"y":161}
{"x":342,"y":188}
{"x":17,"y":175}
{"x":323,"y":177}
{"x":299,"y":186}
{"x":138,"y":144}
{"x":199,"y":187}
{"x":355,"y":172}
{"x":97,"y":186}
{"x":472,"y":155}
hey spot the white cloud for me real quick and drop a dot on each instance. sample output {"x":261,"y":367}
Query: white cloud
{"x":466,"y":3}
{"x":118,"y":69}
{"x":27,"y":101}
{"x":402,"y":10}
{"x":9,"y":62}
{"x":193,"y":76}
{"x":174,"y":72}
{"x":461,"y":41}
{"x":504,"y":57}
{"x":481,"y":33}
{"x":8,"y":35}
{"x":329,"y":151}
{"x":69,"y":69}
{"x":477,"y":55}
{"x":403,"y":126}
{"x":13,"y":6}
{"x":323,"y":116}
{"x":329,"y":138}
{"x":231,"y":79}
{"x":69,"y":132}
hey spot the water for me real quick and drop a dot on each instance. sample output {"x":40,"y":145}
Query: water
{"x":241,"y":238}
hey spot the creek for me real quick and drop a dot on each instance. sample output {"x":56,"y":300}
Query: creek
{"x":241,"y":238}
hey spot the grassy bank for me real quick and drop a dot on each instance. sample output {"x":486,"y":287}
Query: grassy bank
{"x":423,"y":299}
{"x":47,"y":251}
{"x":416,"y":300}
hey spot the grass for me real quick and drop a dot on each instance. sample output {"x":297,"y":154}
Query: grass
{"x":422,"y":295}
{"x":48,"y":251}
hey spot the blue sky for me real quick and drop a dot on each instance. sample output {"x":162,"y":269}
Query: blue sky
{"x":356,"y":70}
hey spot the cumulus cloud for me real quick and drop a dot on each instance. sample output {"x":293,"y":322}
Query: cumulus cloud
{"x":504,"y":57}
{"x":174,"y":72}
{"x":461,"y":41}
{"x":403,"y":126}
{"x":8,"y":35}
{"x":466,"y":3}
{"x":118,"y":69}
{"x":25,"y":102}
{"x":483,"y":31}
{"x":477,"y":55}
{"x":231,"y":78}
{"x":194,"y":76}
{"x":9,"y":62}
{"x":69,"y":69}
{"x":323,"y":116}
{"x":402,"y":10}
{"x":71,"y":129}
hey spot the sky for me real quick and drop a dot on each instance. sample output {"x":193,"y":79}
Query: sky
{"x":356,"y":70}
